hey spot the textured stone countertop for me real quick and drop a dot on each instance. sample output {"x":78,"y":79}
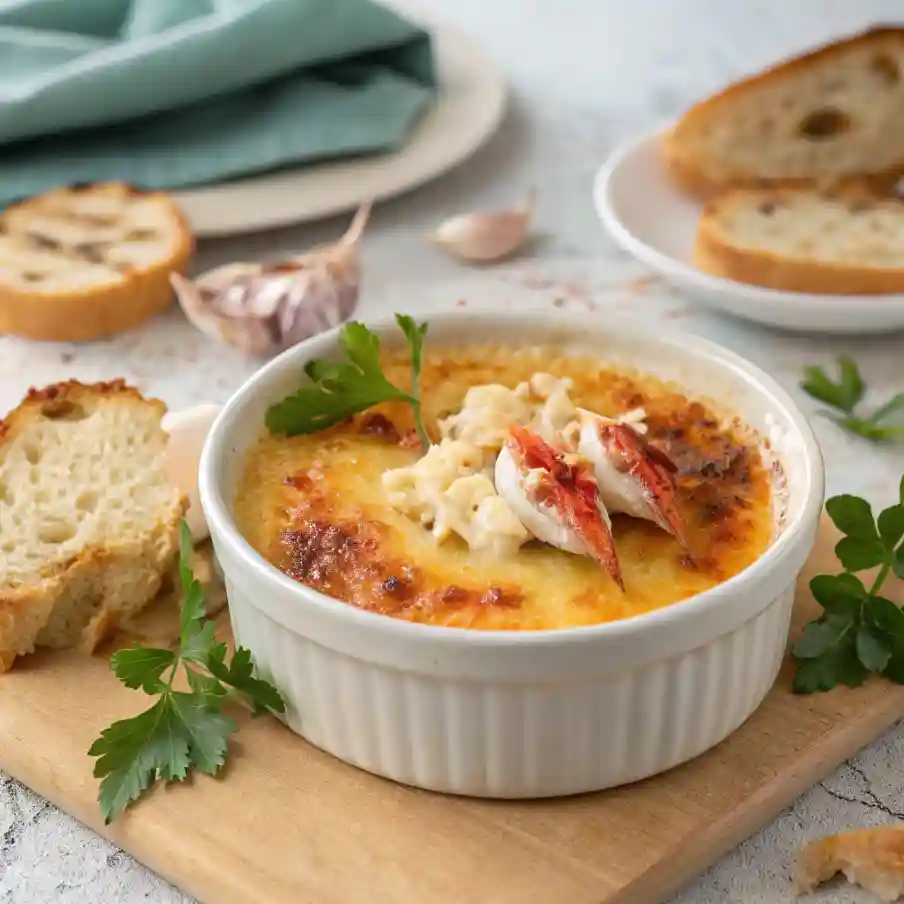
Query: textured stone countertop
{"x":585,"y":74}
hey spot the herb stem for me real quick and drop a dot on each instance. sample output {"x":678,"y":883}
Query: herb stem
{"x":418,"y":423}
{"x":880,"y":578}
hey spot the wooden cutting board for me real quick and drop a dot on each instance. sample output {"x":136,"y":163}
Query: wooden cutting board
{"x":290,"y":824}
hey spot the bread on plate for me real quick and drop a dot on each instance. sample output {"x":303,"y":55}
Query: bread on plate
{"x":823,"y":117}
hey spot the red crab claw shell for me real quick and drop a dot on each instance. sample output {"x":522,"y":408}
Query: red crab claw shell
{"x":561,"y":487}
{"x":651,"y":470}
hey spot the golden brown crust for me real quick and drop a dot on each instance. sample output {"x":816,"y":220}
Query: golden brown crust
{"x":94,"y":312}
{"x":354,"y":561}
{"x":713,"y":255}
{"x":703,"y":185}
{"x":52,"y":400}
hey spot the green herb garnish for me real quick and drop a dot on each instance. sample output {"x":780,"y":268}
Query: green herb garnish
{"x":885,"y":423}
{"x":859,"y":632}
{"x":337,"y":391}
{"x":183,"y":729}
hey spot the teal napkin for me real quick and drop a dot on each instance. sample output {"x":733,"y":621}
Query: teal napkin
{"x":174,"y":93}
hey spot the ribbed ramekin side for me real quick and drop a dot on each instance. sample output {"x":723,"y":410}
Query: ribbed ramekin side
{"x":517,"y":739}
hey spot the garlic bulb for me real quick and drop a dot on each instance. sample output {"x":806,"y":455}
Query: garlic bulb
{"x":485,"y":236}
{"x":265,"y":308}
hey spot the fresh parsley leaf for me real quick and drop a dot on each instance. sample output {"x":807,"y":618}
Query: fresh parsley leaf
{"x":818,"y":385}
{"x":239,"y":675}
{"x":335,"y":392}
{"x":851,"y":672}
{"x":198,"y":644}
{"x":206,"y":730}
{"x":181,"y":730}
{"x":891,"y":525}
{"x":839,"y":594}
{"x":415,"y":334}
{"x":873,"y":648}
{"x":856,"y":554}
{"x":886,"y":616}
{"x":852,"y":515}
{"x":867,"y":428}
{"x":820,"y":637}
{"x":894,"y":671}
{"x":204,"y":684}
{"x":850,"y":383}
{"x":893,"y":407}
{"x":860,"y":632}
{"x":898,"y":563}
{"x":839,"y":665}
{"x":140,"y":667}
{"x":884,"y":424}
{"x":134,"y":753}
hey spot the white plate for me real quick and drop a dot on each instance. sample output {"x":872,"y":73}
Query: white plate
{"x":653,"y":220}
{"x":465,"y":114}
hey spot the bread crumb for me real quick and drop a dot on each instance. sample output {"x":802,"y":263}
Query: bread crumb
{"x":870,"y":858}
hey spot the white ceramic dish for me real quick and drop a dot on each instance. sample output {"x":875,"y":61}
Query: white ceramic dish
{"x":466,"y":113}
{"x":523,"y":714}
{"x":652,"y":219}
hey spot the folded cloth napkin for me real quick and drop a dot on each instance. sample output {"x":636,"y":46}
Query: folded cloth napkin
{"x":174,"y":93}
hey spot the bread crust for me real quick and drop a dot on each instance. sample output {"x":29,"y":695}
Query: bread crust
{"x":714,"y":255}
{"x":701,"y":187}
{"x":692,"y":175}
{"x":88,"y":313}
{"x":132,"y":568}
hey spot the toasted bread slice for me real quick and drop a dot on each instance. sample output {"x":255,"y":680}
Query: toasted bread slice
{"x":89,"y":522}
{"x":845,"y":242}
{"x":85,"y":262}
{"x":821,"y":118}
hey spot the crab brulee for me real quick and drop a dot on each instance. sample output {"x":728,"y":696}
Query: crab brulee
{"x":510,"y":488}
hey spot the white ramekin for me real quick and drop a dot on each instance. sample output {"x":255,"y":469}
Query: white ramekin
{"x":524,"y":714}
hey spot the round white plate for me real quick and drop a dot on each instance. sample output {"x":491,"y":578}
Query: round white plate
{"x":466,"y":112}
{"x":648,"y":216}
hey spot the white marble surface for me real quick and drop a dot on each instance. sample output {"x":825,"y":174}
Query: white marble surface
{"x":585,"y":74}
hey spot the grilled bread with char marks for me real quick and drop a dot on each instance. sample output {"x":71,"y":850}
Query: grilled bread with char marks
{"x":82,"y":263}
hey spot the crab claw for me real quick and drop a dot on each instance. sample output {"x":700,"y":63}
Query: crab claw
{"x":634,"y":477}
{"x":555,"y":496}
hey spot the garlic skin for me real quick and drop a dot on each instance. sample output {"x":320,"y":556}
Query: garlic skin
{"x":187,"y":431}
{"x":485,"y":236}
{"x":265,"y":308}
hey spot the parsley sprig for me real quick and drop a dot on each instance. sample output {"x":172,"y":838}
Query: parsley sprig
{"x":337,"y":391}
{"x":844,"y":395}
{"x":182,"y":729}
{"x":860,"y":632}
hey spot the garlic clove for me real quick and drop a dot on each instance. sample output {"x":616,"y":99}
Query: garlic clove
{"x":485,"y":236}
{"x":265,"y":308}
{"x":187,"y":431}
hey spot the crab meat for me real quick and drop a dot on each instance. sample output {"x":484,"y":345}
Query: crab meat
{"x":555,"y":496}
{"x":634,"y":477}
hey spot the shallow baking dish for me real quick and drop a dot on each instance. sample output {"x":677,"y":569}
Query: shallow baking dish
{"x":536,"y":713}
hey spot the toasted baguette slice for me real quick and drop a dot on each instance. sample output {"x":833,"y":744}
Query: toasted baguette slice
{"x":89,"y":522}
{"x":847,"y":242}
{"x":834,"y":113}
{"x":85,"y":262}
